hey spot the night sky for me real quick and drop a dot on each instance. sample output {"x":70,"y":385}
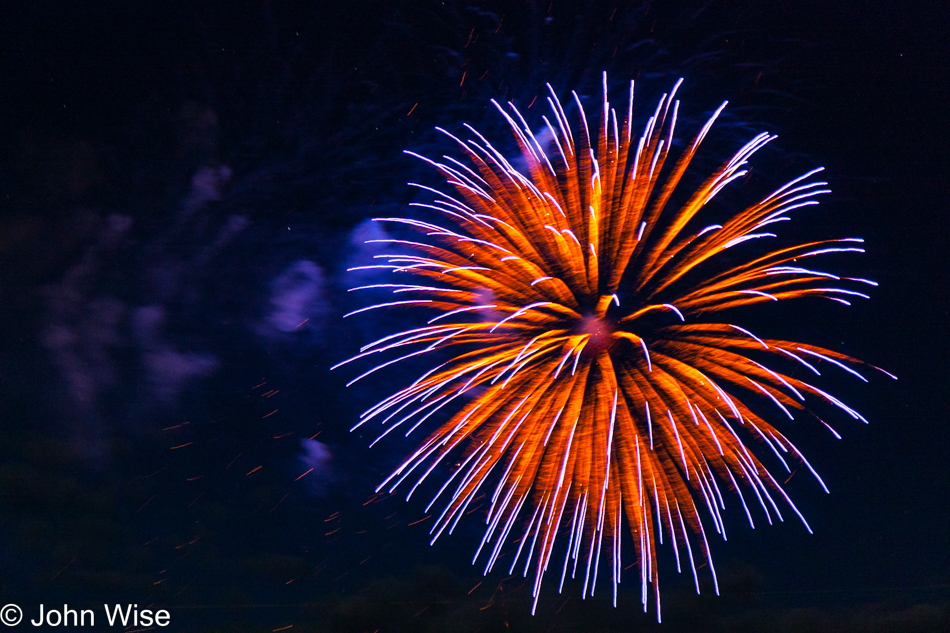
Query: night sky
{"x":184,"y":184}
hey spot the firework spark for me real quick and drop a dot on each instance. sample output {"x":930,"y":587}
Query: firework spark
{"x":589,"y":389}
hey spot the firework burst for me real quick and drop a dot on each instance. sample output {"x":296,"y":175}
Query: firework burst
{"x":588,"y":386}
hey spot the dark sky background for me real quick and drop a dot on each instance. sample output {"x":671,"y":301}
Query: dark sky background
{"x":183,"y":185}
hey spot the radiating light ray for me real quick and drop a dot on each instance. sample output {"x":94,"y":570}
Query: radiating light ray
{"x":579,"y":413}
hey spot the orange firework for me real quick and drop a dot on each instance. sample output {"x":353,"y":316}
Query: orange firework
{"x":590,"y":389}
